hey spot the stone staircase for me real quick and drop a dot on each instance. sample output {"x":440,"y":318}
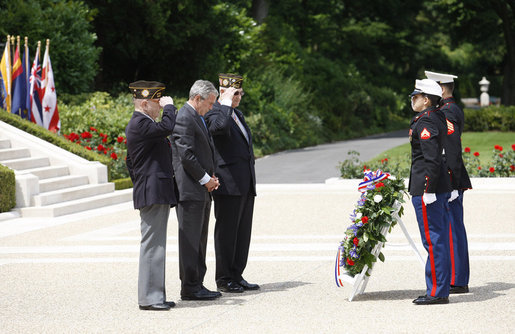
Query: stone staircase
{"x":53,"y":182}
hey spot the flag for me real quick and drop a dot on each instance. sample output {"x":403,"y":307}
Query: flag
{"x":35,"y":93}
{"x":19,"y":83}
{"x":3,"y":93}
{"x":5,"y":69}
{"x":49,"y":103}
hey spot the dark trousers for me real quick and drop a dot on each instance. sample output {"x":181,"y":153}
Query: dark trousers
{"x":232,"y":235}
{"x":459,"y":246}
{"x":433,"y":223}
{"x":193,"y":217}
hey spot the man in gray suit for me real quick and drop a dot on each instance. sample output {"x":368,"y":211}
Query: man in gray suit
{"x":194,"y":166}
{"x":149,"y":161}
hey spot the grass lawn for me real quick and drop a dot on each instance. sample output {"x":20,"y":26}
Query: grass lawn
{"x":482,"y":142}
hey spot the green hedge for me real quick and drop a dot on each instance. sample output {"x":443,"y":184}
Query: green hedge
{"x":51,"y":137}
{"x":493,"y":118}
{"x":121,"y":184}
{"x":8,"y":189}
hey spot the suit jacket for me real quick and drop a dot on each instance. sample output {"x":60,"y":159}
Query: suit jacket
{"x":193,"y":155}
{"x":428,"y":172}
{"x":149,"y":158}
{"x":234,"y":155}
{"x":452,"y":144}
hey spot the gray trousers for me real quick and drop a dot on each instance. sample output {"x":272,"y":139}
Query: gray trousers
{"x":152,"y":256}
{"x":193,"y":217}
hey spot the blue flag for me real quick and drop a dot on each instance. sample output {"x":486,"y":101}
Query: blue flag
{"x":20,"y":84}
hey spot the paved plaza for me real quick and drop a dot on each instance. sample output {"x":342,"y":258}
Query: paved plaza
{"x":78,"y":273}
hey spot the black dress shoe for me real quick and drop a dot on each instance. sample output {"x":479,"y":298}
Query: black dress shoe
{"x":248,"y":286}
{"x":157,"y":307}
{"x":202,"y":294}
{"x":459,"y":289}
{"x":170,"y":303}
{"x":428,"y":300}
{"x":230,"y":286}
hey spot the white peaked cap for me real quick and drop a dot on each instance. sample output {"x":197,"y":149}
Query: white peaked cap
{"x":427,"y":86}
{"x":440,"y":77}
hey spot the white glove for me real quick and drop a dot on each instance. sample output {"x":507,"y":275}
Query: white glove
{"x":454,"y":195}
{"x":429,"y":198}
{"x":165,"y":100}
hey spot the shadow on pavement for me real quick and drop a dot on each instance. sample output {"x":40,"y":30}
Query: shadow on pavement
{"x":233,"y":298}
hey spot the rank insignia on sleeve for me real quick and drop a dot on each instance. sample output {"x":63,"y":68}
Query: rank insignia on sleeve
{"x":450,"y":127}
{"x":410,"y":133}
{"x":425,"y":134}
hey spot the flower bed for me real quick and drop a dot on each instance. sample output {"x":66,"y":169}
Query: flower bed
{"x":374,"y":211}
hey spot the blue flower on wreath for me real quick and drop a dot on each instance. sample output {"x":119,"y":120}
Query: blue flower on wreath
{"x":355,"y":227}
{"x":352,"y":216}
{"x":353,"y":253}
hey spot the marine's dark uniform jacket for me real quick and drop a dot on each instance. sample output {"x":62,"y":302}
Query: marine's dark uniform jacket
{"x":428,"y":172}
{"x":452,"y":144}
{"x":149,"y":158}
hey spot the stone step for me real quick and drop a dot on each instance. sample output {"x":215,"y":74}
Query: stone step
{"x":83,"y":204}
{"x":14,"y":153}
{"x":47,"y":172}
{"x":61,"y":182}
{"x":70,"y":194}
{"x":5,"y":143}
{"x":26,"y":163}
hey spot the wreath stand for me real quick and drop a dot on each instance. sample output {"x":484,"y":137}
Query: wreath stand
{"x":359,"y":281}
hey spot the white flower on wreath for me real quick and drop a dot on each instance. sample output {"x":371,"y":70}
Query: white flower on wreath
{"x":378,"y":198}
{"x":358,"y":215}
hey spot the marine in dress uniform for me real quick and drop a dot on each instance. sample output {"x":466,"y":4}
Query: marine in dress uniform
{"x":234,"y":199}
{"x":460,"y":180}
{"x":149,"y":161}
{"x":429,"y":185}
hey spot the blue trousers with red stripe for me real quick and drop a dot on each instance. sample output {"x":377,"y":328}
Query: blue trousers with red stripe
{"x":433,"y":223}
{"x":458,"y":243}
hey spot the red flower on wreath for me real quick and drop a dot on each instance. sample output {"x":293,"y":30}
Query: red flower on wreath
{"x":364,"y":219}
{"x":88,"y":148}
{"x":355,"y":241}
{"x":350,"y":262}
{"x":513,"y":147}
{"x":114,"y":156}
{"x":92,"y":129}
{"x":476,"y":154}
{"x":379,"y":185}
{"x":100,"y":147}
{"x":500,"y":155}
{"x":492,"y":169}
{"x":467,"y":149}
{"x":512,"y":168}
{"x":119,"y":139}
{"x":479,"y":168}
{"x":498,"y":147}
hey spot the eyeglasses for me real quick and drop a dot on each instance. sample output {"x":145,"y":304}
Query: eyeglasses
{"x":239,"y":93}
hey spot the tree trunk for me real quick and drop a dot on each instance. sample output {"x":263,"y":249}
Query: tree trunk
{"x":259,"y":10}
{"x":506,"y":11}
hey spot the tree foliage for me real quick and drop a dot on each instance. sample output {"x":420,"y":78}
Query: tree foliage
{"x":68,"y":26}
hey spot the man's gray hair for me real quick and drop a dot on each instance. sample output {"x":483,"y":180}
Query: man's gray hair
{"x":203,"y":88}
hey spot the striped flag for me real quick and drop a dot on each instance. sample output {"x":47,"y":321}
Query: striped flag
{"x":49,"y":103}
{"x":19,"y":82}
{"x":5,"y":69}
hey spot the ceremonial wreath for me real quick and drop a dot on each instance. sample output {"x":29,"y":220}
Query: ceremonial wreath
{"x":381,"y":195}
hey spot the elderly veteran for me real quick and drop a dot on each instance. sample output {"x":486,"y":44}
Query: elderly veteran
{"x":149,"y":161}
{"x":234,"y":199}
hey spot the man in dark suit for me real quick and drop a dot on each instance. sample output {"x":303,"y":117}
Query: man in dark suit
{"x":149,"y":161}
{"x":234,"y":199}
{"x":455,"y":118}
{"x":194,"y":165}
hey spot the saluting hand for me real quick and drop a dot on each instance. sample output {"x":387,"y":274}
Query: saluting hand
{"x":165,"y":100}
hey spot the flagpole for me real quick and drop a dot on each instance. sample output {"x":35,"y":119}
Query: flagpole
{"x":20,"y":57}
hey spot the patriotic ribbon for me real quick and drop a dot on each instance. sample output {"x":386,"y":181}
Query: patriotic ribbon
{"x":371,"y":178}
{"x":338,"y":271}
